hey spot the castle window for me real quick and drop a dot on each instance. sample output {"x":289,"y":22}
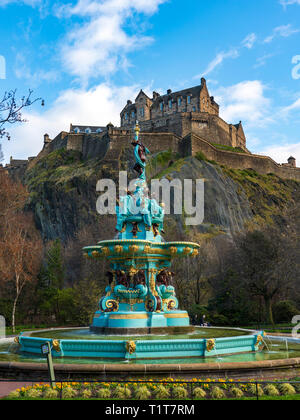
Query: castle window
{"x":88,"y":131}
{"x":194,"y":109}
{"x":179,"y":101}
{"x":161,"y":106}
{"x":76,"y":130}
{"x":189,"y":99}
{"x":142,"y":112}
{"x":133,"y":114}
{"x":99,"y":130}
{"x":170,"y":103}
{"x":126,"y":116}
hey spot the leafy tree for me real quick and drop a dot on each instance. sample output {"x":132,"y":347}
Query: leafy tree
{"x":51,"y":282}
{"x":53,"y":274}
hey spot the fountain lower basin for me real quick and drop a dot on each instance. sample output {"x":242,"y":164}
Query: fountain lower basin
{"x":137,"y":348}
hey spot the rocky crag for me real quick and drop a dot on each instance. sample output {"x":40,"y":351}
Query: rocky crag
{"x":63,"y":195}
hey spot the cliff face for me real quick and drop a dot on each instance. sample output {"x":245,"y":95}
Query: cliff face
{"x":63,"y":194}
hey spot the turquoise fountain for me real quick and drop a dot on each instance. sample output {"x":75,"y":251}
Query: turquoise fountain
{"x":140,"y":299}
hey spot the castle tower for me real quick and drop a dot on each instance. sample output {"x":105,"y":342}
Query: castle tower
{"x":292,"y":161}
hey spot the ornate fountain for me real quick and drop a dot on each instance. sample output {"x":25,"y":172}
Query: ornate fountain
{"x":140,"y":297}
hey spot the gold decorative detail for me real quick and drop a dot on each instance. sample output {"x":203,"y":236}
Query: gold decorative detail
{"x":112,"y":305}
{"x":152,"y":273}
{"x":260,"y":342}
{"x":133,"y":248}
{"x":210,"y":345}
{"x":132,"y":271}
{"x":95,"y":254}
{"x":124,"y":228}
{"x":118,"y":249}
{"x":147,"y":249}
{"x":169,"y":304}
{"x":129,"y":316}
{"x":187,"y":251}
{"x":56,"y":346}
{"x":176,"y":316}
{"x":17,"y":340}
{"x":195,"y":253}
{"x":105,"y":251}
{"x":130,"y":347}
{"x":86,"y":255}
{"x":173,"y":250}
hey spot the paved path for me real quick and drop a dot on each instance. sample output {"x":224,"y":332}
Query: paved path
{"x":7,"y":387}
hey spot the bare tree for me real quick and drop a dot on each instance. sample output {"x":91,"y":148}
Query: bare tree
{"x":11,"y":109}
{"x":20,"y":255}
{"x":20,"y":243}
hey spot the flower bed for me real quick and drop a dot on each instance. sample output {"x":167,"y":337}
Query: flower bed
{"x":159,"y":390}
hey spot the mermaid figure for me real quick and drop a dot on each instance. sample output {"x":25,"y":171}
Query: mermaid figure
{"x":140,"y":153}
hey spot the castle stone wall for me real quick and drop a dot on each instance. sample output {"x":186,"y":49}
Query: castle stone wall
{"x":193,"y":144}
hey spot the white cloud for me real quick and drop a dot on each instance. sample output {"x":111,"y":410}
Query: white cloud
{"x":281,"y":153}
{"x":100,"y":45}
{"x":233,"y":53}
{"x":284,"y":31}
{"x":27,"y":2}
{"x":249,"y":41}
{"x":96,"y":106}
{"x":218,"y":60}
{"x":244,"y":101}
{"x":286,"y":3}
{"x":294,"y":106}
{"x":36,"y":78}
{"x":261,"y":61}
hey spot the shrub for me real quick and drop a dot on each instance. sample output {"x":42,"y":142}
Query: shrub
{"x":122,"y":392}
{"x":217,"y":393}
{"x":254,"y":391}
{"x":220,"y":320}
{"x":199,"y":393}
{"x":271,"y":390}
{"x":142,"y":393}
{"x":200,"y":156}
{"x":50,"y":394}
{"x":68,"y":393}
{"x":104,"y":393}
{"x":14,"y":395}
{"x":86,"y":394}
{"x":33,"y":393}
{"x":161,"y":392}
{"x":180,"y":393}
{"x":297,"y":388}
{"x":284,"y":311}
{"x":237,"y":392}
{"x":287,"y":389}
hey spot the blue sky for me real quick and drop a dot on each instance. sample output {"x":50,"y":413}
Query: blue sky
{"x":87,"y":57}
